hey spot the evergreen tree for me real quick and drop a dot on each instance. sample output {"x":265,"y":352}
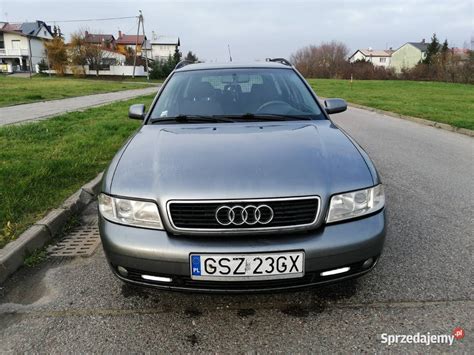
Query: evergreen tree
{"x":432,"y":49}
{"x":177,"y":56}
{"x":445,"y":47}
{"x":191,"y":57}
{"x":160,"y":69}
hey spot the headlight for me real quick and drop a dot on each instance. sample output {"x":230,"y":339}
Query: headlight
{"x":135,"y":213}
{"x":356,"y":203}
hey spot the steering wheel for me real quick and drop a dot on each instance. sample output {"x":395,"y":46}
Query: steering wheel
{"x":275,"y":103}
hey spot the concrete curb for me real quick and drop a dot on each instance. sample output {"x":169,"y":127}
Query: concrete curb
{"x":13,"y":254}
{"x":422,"y":121}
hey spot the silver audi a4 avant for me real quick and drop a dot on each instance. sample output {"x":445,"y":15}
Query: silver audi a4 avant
{"x":238,"y":180}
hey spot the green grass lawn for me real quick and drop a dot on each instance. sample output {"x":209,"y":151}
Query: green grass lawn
{"x":16,"y":91}
{"x":43,"y":163}
{"x":441,"y":102}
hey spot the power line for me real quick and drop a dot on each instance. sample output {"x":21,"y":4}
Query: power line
{"x":128,"y":30}
{"x":93,"y":19}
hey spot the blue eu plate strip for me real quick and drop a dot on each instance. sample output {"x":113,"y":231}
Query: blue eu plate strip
{"x":196,"y":265}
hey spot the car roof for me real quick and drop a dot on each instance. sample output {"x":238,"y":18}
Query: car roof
{"x":233,"y":65}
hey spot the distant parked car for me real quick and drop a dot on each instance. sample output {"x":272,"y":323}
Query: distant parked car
{"x":239,"y":181}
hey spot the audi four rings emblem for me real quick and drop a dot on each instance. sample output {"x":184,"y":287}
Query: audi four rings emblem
{"x":239,"y":215}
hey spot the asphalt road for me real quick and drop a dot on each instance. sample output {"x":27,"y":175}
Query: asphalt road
{"x":423,"y":283}
{"x":45,"y":109}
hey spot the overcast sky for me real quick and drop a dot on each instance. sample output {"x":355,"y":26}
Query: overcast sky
{"x":260,"y":28}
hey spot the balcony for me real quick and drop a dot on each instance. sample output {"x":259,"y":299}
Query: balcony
{"x":10,"y":52}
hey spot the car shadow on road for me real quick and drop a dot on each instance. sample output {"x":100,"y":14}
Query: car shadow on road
{"x":300,"y":304}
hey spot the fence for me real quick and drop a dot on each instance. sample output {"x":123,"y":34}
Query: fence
{"x":113,"y":70}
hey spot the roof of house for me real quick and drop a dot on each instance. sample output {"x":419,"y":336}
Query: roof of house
{"x":422,"y":46}
{"x":11,"y":27}
{"x":99,"y":38}
{"x":374,"y":52}
{"x":113,"y":51}
{"x":130,"y":39}
{"x":458,"y":50}
{"x":26,"y":28}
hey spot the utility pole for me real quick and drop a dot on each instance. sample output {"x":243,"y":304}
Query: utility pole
{"x":136,"y":44}
{"x":144,"y":47}
{"x":29,"y":54}
{"x":49,"y":67}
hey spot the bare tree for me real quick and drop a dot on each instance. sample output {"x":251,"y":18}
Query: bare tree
{"x":77,"y":49}
{"x":57,"y":54}
{"x":85,"y":53}
{"x":328,"y":60}
{"x":94,"y":56}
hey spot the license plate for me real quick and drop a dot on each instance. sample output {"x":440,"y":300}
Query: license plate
{"x":238,"y":267}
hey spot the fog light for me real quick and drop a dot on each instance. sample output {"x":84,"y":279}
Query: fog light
{"x":335,"y":271}
{"x":368,"y":263}
{"x":122,"y":271}
{"x":157,"y":278}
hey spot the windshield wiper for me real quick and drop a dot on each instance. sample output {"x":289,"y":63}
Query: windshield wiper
{"x":268,"y":117}
{"x":192,"y":119}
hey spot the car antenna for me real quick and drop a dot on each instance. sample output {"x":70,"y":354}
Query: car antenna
{"x":230,"y":55}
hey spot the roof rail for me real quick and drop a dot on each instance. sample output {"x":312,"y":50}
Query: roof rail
{"x":280,"y":60}
{"x":183,"y":63}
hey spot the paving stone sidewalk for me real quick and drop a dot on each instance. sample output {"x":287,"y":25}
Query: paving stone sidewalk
{"x":45,"y":109}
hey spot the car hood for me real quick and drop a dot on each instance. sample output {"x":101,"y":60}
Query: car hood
{"x":237,"y":161}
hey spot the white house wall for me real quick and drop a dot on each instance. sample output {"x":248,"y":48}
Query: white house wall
{"x":37,"y":51}
{"x":37,"y":47}
{"x":374,"y":59}
{"x":357,"y":56}
{"x":161,"y":51}
{"x":44,"y":33}
{"x":23,"y":44}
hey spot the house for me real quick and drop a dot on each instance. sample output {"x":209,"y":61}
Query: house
{"x":161,"y":47}
{"x":126,"y":42}
{"x":461,"y":53}
{"x":379,"y":58}
{"x":103,"y":40}
{"x":112,"y":57}
{"x":22,"y":44}
{"x":409,"y":55}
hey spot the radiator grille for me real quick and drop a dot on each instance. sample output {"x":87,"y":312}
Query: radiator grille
{"x":287,"y":213}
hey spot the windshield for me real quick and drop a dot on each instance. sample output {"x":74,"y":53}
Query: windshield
{"x":247,"y":93}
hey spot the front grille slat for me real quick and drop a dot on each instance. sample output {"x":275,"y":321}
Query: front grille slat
{"x":288,"y":213}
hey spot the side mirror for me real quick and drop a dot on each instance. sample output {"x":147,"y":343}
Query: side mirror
{"x":335,"y":105}
{"x":137,"y":112}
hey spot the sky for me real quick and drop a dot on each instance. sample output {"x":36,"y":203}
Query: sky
{"x":258,"y":29}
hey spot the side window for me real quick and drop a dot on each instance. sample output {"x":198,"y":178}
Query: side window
{"x":169,"y":101}
{"x":302,"y":99}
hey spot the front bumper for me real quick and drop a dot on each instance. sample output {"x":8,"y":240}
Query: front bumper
{"x":157,"y":253}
